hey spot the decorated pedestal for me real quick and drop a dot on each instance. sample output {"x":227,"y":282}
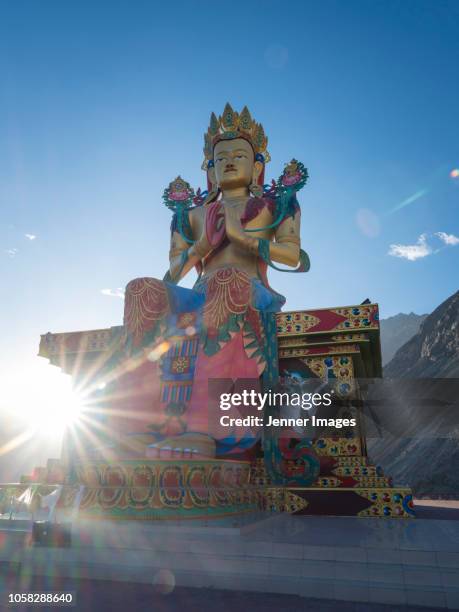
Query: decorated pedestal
{"x":339,"y":345}
{"x":164,"y":489}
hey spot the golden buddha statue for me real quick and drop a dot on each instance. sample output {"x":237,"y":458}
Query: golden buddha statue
{"x":225,"y":326}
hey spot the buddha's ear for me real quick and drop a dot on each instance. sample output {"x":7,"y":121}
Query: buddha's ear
{"x":255,"y":188}
{"x":212,"y":187}
{"x":211,"y":178}
{"x":257,"y":170}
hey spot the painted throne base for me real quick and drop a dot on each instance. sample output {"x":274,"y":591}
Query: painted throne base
{"x":338,"y":345}
{"x":156,"y":489}
{"x":201,"y":489}
{"x":204,"y":489}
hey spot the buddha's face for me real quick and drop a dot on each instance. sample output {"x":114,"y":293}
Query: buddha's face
{"x":235,"y":165}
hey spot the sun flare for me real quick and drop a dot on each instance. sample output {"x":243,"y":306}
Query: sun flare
{"x":43,"y":398}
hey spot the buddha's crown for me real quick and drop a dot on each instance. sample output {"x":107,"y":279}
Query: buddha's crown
{"x":232,"y":125}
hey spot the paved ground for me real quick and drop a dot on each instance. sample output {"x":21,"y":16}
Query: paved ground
{"x":442,"y":509}
{"x":130,"y":596}
{"x":102,"y":596}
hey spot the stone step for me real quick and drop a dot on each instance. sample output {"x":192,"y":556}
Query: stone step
{"x":356,"y":470}
{"x":332,"y":482}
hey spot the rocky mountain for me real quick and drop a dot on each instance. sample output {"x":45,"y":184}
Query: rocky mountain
{"x":397,"y":330}
{"x":433,"y":352}
{"x":424,"y":452}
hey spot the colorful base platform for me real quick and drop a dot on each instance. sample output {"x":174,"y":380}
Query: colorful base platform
{"x":340,"y":346}
{"x":159,"y":490}
{"x":162,"y":489}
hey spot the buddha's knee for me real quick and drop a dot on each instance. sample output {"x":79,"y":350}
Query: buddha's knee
{"x":145,"y":302}
{"x":140,"y":286}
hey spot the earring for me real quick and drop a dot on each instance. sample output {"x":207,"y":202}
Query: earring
{"x":256,"y":190}
{"x":212,"y":195}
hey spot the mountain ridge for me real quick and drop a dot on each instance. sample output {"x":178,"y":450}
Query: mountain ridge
{"x":429,"y":462}
{"x":396,"y":331}
{"x":433,"y":352}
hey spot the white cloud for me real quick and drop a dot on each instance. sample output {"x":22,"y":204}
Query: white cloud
{"x":11,"y":252}
{"x":421,"y":249}
{"x":118,"y":292}
{"x":448,"y":239}
{"x":411,"y":251}
{"x":30,"y":236}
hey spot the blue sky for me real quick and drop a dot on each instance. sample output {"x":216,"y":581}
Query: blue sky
{"x":103,"y":103}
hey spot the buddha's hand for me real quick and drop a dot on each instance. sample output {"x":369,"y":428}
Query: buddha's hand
{"x":233,"y":225}
{"x":235,"y":231}
{"x":202,"y":246}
